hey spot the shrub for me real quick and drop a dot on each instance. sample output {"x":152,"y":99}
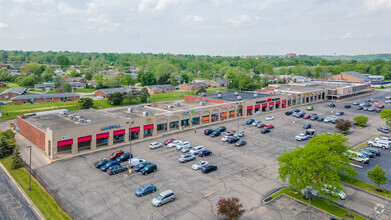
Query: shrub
{"x":343,"y":125}
{"x":115,"y":98}
{"x":361,"y":120}
{"x":85,"y":103}
{"x":377,"y":175}
{"x":230,"y":207}
{"x":16,"y":160}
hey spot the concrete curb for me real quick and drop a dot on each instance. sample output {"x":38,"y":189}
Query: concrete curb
{"x":374,"y":194}
{"x":30,"y":203}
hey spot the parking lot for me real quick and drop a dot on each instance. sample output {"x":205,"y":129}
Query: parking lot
{"x":248,"y":172}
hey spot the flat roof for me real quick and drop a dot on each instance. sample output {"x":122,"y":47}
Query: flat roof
{"x":313,"y":86}
{"x":232,"y":96}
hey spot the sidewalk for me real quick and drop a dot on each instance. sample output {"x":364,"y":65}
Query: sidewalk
{"x":37,"y":158}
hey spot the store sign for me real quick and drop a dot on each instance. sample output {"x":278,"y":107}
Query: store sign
{"x":308,"y":93}
{"x":110,"y":127}
{"x":276,"y":99}
{"x":197,"y":110}
{"x":223,"y":106}
{"x":64,"y":137}
{"x":168,"y":115}
{"x":149,"y":120}
{"x":259,"y":102}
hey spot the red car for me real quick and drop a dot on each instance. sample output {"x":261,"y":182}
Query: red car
{"x":230,"y":133}
{"x":116,"y":154}
{"x":269,"y":126}
{"x":379,"y":106}
{"x":307,"y":116}
{"x":169,"y":141}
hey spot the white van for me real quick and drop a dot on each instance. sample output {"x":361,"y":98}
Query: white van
{"x":357,"y":156}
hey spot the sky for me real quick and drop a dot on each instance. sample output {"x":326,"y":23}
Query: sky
{"x":202,"y":27}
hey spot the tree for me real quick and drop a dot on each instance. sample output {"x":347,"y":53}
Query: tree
{"x":85,"y":62}
{"x":62,"y":60}
{"x":33,"y":68}
{"x":88,"y":76}
{"x":5,"y":147}
{"x":85,"y":103}
{"x":164,"y":79}
{"x":147,"y":79}
{"x":127,"y":79}
{"x":67,"y":88}
{"x":343,"y":125}
{"x":319,"y":162}
{"x":361,"y":120}
{"x":144,"y":95}
{"x":377,"y":175}
{"x":201,"y":90}
{"x":16,"y":160}
{"x":115,"y":98}
{"x":230,"y":207}
{"x":386,"y":114}
{"x":131,"y":96}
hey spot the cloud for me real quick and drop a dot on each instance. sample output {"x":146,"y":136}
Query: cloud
{"x":157,"y":5}
{"x":193,"y":18}
{"x":239,"y":20}
{"x":377,"y":5}
{"x":102,"y":24}
{"x":66,"y":9}
{"x":351,"y":35}
{"x":347,"y":35}
{"x":2,"y":25}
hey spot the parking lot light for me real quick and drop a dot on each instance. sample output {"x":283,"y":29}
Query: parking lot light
{"x":308,"y":191}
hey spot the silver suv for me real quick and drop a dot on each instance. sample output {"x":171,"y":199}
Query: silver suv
{"x":186,"y":157}
{"x":163,"y":198}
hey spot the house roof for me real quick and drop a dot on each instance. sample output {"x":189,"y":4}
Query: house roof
{"x":219,"y":81}
{"x":17,"y":90}
{"x":356,"y":75}
{"x":45,"y":95}
{"x":121,"y":90}
{"x":44,"y":85}
{"x":78,"y":84}
{"x":162,"y":87}
{"x":199,"y":84}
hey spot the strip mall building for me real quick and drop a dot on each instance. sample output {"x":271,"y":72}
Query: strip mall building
{"x":60,"y":135}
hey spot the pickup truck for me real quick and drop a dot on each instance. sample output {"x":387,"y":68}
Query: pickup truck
{"x":357,"y":156}
{"x":381,"y":144}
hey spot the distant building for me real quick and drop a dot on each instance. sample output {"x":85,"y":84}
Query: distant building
{"x":2,"y":84}
{"x":300,"y":79}
{"x":12,"y":92}
{"x":46,"y":97}
{"x":79,"y":79}
{"x":77,"y":85}
{"x":14,"y":72}
{"x":44,"y":86}
{"x":290,"y":55}
{"x":106,"y":92}
{"x":157,"y":89}
{"x":193,"y":86}
{"x":92,"y":83}
{"x":218,"y":83}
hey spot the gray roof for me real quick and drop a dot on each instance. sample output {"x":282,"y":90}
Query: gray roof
{"x":121,"y":90}
{"x":45,"y":96}
{"x":230,"y":96}
{"x":162,"y":87}
{"x":44,"y":85}
{"x":221,"y":82}
{"x":198,"y":84}
{"x":356,"y":75}
{"x":78,"y":84}
{"x":17,"y":90}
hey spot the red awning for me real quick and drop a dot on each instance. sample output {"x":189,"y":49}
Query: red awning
{"x":283,"y":105}
{"x":134,"y":129}
{"x":65,"y":142}
{"x":102,"y":135}
{"x":249,"y":107}
{"x":84,"y":139}
{"x":277,"y":102}
{"x":283,"y":101}
{"x":268,"y":100}
{"x":257,"y":106}
{"x":264,"y":105}
{"x":119,"y":132}
{"x":271,"y":103}
{"x":146,"y":127}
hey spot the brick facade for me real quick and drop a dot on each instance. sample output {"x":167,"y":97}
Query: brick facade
{"x":100,"y":93}
{"x":30,"y":132}
{"x":189,"y":98}
{"x":155,"y":91}
{"x":2,"y":84}
{"x":9,"y":94}
{"x":23,"y":101}
{"x":214,"y":84}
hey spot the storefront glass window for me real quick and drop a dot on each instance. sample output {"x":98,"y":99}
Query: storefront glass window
{"x":118,"y":138}
{"x":215,"y":117}
{"x":185,"y":123}
{"x":232,"y":114}
{"x":134,"y":135}
{"x":205,"y":119}
{"x":102,"y":141}
{"x":174,"y":125}
{"x":148,"y":132}
{"x":195,"y":121}
{"x":162,"y":127}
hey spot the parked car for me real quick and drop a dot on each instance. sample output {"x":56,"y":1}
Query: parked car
{"x":288,"y":113}
{"x":239,"y":134}
{"x":250,"y":121}
{"x":116,"y":154}
{"x":208,"y":168}
{"x":383,"y":129}
{"x":232,"y":140}
{"x":196,"y":150}
{"x":378,"y":110}
{"x":181,"y":145}
{"x":230,"y":132}
{"x":334,"y":192}
{"x":356,"y":103}
{"x":359,"y":107}
{"x":307,"y":126}
{"x":307,"y":116}
{"x":300,"y":114}
{"x":186,"y":157}
{"x":369,"y":153}
{"x":135,"y":161}
{"x":163,"y":198}
{"x":269,"y":126}
{"x":301,"y":137}
{"x":199,"y":164}
{"x":145,"y":190}
{"x":339,"y":113}
{"x":109,"y":164}
{"x":388,"y":97}
{"x":148,"y":169}
{"x":204,"y":153}
{"x":373,"y":150}
{"x":260,"y":125}
{"x":256,"y":122}
{"x":215,"y":133}
{"x":380,"y":144}
{"x":320,"y":119}
{"x":365,"y":108}
{"x":371,"y":109}
{"x":310,"y":108}
{"x":169,"y":141}
{"x":240,"y":143}
{"x":348,"y":106}
{"x":208,"y":131}
{"x":140,"y":166}
{"x":221,"y":129}
{"x":124,"y":157}
{"x":116,"y":169}
{"x":101,"y":163}
{"x":268,"y":118}
{"x":314,"y":117}
{"x":295,"y":110}
{"x":359,"y":157}
{"x":186,"y":149}
{"x":155,"y":145}
{"x":265,"y":131}
{"x":385,"y":139}
{"x":330,"y":104}
{"x":174,"y":143}
{"x":225,"y":138}
{"x":388,"y":101}
{"x":380,"y":106}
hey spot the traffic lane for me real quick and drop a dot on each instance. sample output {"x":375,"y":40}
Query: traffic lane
{"x":12,"y":204}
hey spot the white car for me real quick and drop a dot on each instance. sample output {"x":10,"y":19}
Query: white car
{"x":327,"y":120}
{"x":388,"y":97}
{"x":174,"y":144}
{"x":381,"y":144}
{"x":332,"y":191}
{"x":388,"y":101}
{"x":155,"y":145}
{"x":198,"y":165}
{"x":196,"y":150}
{"x":135,"y":161}
{"x":301,"y":137}
{"x":239,"y":134}
{"x":255,"y":123}
{"x":383,"y":139}
{"x":184,"y":144}
{"x":268,"y":118}
{"x":99,"y":97}
{"x":225,"y":138}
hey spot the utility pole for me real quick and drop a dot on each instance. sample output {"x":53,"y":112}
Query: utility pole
{"x":29,"y":169}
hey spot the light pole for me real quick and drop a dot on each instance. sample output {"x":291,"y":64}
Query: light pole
{"x":130,"y":135}
{"x":29,"y":169}
{"x":308,"y":191}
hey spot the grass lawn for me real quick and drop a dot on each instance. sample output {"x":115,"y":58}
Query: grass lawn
{"x":318,"y":203}
{"x":44,"y":202}
{"x":366,"y":186}
{"x":9,"y":85}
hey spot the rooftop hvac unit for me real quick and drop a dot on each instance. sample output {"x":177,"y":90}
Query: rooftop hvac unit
{"x":239,"y":97}
{"x":177,"y":104}
{"x":130,"y":110}
{"x":71,"y":117}
{"x":82,"y":120}
{"x":218,"y":92}
{"x":236,"y":93}
{"x":88,"y":122}
{"x":170,"y":106}
{"x":219,"y":96}
{"x":145,"y":114}
{"x":202,"y":103}
{"x":255,"y":95}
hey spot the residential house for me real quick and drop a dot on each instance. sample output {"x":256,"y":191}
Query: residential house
{"x":78,"y":79}
{"x":2,"y":84}
{"x":106,"y":92}
{"x":218,"y":83}
{"x":14,"y":72}
{"x":160,"y":89}
{"x":290,"y":55}
{"x":193,"y":86}
{"x":92,"y":83}
{"x":300,"y":79}
{"x":45,"y":97}
{"x":44,"y":86}
{"x":58,"y":72}
{"x":77,"y":85}
{"x":12,"y":92}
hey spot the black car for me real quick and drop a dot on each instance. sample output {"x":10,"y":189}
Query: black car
{"x":348,"y":106}
{"x":320,"y":119}
{"x":307,"y":126}
{"x":232,"y":140}
{"x":373,"y":150}
{"x":265,"y":130}
{"x":208,"y":168}
{"x":260,"y":125}
{"x":288,"y":113}
{"x":240,"y":143}
{"x":383,"y":129}
{"x":369,"y":153}
{"x":140,"y":166}
{"x":249,"y":121}
{"x":359,"y":107}
{"x":221,"y":129}
{"x":314,"y":117}
{"x":116,"y":169}
{"x":124,"y":157}
{"x":215,"y":133}
{"x":148,"y":169}
{"x":208,"y":131}
{"x":204,"y":153}
{"x":101,"y":163}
